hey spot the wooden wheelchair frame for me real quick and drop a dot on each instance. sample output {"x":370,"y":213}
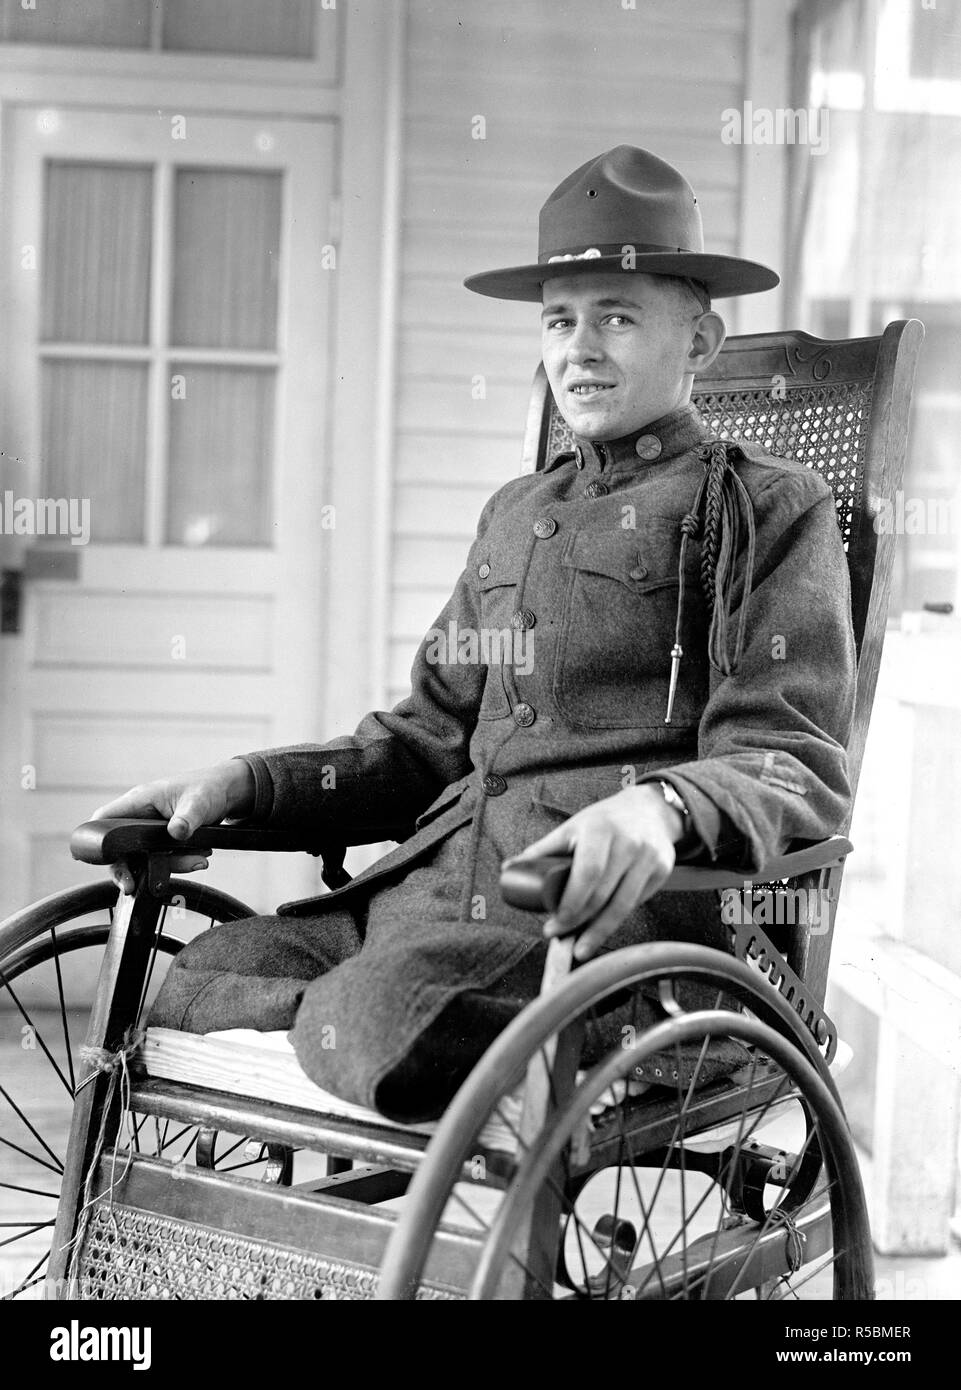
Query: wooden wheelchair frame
{"x":841,"y":407}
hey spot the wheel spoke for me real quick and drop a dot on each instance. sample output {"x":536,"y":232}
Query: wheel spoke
{"x":618,"y":1170}
{"x":234,"y":1147}
{"x":167,"y":1143}
{"x":32,"y":1128}
{"x":25,"y":1231}
{"x":63,"y":1011}
{"x":469,"y":1209}
{"x":646,"y":1225}
{"x":701,"y":1202}
{"x":30,"y":1191}
{"x":28,"y":1279}
{"x":153,"y":956}
{"x":722,"y":1190}
{"x":684,"y":1219}
{"x":678,"y":1129}
{"x":35,"y":1158}
{"x":739,"y":1140}
{"x":35,"y":1031}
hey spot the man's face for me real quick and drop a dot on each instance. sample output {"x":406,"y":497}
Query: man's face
{"x":616,"y":350}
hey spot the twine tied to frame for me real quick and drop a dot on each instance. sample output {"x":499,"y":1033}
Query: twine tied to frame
{"x":116,"y":1066}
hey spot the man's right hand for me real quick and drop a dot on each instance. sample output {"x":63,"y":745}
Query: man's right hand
{"x":205,"y":797}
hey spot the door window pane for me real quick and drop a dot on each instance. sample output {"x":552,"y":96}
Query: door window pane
{"x":93,"y":440}
{"x":280,"y":29}
{"x":220,"y":469}
{"x":104,"y":23}
{"x":95,"y":275}
{"x":226,"y":256}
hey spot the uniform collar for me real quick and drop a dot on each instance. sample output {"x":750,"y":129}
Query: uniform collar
{"x":661,"y":440}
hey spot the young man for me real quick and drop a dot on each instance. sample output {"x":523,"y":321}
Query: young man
{"x":678,"y":680}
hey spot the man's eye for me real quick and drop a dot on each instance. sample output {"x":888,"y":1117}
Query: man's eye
{"x":559,"y":323}
{"x":618,"y":319}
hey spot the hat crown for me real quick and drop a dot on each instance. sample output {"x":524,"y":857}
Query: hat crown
{"x":625,"y":197}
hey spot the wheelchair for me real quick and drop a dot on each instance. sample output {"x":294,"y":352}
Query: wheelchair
{"x":662,"y":1122}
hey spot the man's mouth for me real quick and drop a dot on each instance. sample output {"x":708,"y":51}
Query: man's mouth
{"x":589,"y":388}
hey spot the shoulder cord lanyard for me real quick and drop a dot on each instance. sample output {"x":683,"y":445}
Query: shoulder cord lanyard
{"x":726,"y":504}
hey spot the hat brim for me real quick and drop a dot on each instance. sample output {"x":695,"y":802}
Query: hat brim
{"x":722,"y":276}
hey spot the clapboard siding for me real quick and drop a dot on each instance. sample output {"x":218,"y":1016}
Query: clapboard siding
{"x":430,"y":402}
{"x":556,"y":82}
{"x":435,"y":353}
{"x":444,"y":460}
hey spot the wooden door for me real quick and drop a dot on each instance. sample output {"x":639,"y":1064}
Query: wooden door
{"x":166,"y":294}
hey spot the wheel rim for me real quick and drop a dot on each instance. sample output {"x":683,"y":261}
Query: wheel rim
{"x":717,"y":1264}
{"x":505,"y":1063}
{"x":40,"y":950}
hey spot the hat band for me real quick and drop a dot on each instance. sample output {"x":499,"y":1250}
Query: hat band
{"x":618,"y":248}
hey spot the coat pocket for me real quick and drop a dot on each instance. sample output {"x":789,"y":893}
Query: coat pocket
{"x":559,"y":795}
{"x":614,"y":654}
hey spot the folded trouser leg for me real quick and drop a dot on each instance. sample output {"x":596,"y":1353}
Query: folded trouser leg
{"x":251,"y":973}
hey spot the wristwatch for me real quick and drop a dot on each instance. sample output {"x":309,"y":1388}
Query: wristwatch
{"x":674,"y":798}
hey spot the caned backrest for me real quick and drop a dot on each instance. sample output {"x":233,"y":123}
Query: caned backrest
{"x":840,"y":407}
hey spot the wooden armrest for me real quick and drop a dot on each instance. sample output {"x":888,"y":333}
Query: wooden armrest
{"x":106,"y":841}
{"x":537,"y":884}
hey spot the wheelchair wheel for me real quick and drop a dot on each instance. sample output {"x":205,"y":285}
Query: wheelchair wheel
{"x":50,"y":956}
{"x":733,"y":1176}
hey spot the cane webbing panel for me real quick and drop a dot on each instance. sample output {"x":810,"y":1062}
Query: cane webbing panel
{"x":128,"y":1253}
{"x":822,"y":426}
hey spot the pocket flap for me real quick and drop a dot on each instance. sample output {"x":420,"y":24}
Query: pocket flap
{"x":641,"y":560}
{"x":569,"y":792}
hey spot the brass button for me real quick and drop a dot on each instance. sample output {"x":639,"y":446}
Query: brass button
{"x":523,"y":619}
{"x":493,"y":785}
{"x":483,"y":571}
{"x":638,"y":572}
{"x":544,"y":527}
{"x":524,"y":716}
{"x":595,"y":490}
{"x":648,"y":447}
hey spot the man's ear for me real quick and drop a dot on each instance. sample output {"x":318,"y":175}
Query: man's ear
{"x":706,"y":341}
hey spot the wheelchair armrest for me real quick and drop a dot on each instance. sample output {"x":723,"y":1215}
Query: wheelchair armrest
{"x":537,"y":884}
{"x":106,"y":841}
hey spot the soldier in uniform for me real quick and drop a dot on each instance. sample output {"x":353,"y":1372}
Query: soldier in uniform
{"x":678,"y":683}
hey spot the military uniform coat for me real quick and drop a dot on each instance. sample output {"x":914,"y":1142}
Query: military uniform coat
{"x":543,"y":688}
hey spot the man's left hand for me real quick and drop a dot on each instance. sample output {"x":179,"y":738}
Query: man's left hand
{"x":623,"y":850}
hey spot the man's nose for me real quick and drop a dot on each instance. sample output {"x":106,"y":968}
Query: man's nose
{"x":584,"y":344}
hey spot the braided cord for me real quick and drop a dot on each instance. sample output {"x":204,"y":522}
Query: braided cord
{"x":727,"y":508}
